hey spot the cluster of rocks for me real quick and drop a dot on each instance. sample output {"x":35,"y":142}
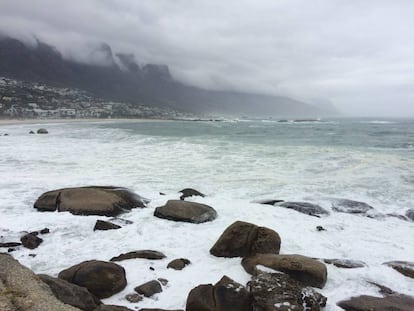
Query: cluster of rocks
{"x":278,"y":281}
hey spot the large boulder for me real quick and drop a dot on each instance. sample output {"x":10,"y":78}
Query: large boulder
{"x":225,"y":295}
{"x":178,"y":210}
{"x":350,"y":206}
{"x":22,"y":290}
{"x":309,"y":271}
{"x":144,"y":254}
{"x":404,"y":267}
{"x":103,"y":279}
{"x":395,"y":302}
{"x":280,"y":292}
{"x":305,"y":208}
{"x":243,"y":239}
{"x":94,"y":200}
{"x":71,"y":294}
{"x":30,"y":241}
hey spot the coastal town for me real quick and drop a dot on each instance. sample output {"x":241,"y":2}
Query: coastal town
{"x":31,"y":100}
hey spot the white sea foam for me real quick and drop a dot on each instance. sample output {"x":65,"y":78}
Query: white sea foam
{"x":232,"y":173}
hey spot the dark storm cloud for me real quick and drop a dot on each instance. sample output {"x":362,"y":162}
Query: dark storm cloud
{"x":358,"y":54}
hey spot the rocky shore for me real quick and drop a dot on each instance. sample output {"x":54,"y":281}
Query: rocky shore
{"x":278,"y":281}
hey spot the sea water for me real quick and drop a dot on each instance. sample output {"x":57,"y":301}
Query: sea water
{"x":235,"y":163}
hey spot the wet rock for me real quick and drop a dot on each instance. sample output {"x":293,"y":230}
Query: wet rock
{"x":71,"y":294}
{"x":112,"y":308}
{"x":10,"y":244}
{"x":105,"y":225}
{"x":144,"y":254}
{"x":42,"y":131}
{"x":134,"y":298}
{"x":45,"y":231}
{"x":225,"y":295}
{"x":410,"y":214}
{"x":242,"y":239}
{"x":350,"y":206}
{"x":30,"y":241}
{"x":22,"y":290}
{"x":320,"y":228}
{"x":192,"y":212}
{"x":305,"y":208}
{"x":149,"y":289}
{"x":146,"y":309}
{"x":269,"y":202}
{"x":395,"y":302}
{"x":32,"y":255}
{"x":178,"y":264}
{"x":104,"y":201}
{"x":103,"y":279}
{"x":345,"y":263}
{"x":163,"y":282}
{"x":189,"y":192}
{"x":404,"y":267}
{"x":31,"y":132}
{"x":280,"y":292}
{"x":306,"y":270}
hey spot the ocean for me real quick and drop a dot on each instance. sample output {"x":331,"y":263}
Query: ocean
{"x":236,"y":163}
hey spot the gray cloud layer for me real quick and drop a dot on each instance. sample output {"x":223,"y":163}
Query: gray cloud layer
{"x":358,"y":54}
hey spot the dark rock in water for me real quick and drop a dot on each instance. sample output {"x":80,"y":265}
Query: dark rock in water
{"x":162,"y":193}
{"x":178,"y":264}
{"x":225,"y":295}
{"x":134,"y":298}
{"x":404,"y":267}
{"x":305,"y":208}
{"x":10,"y":244}
{"x":410,"y":214}
{"x":306,"y":270}
{"x":35,"y":233}
{"x":71,"y":294}
{"x":149,"y":289}
{"x":242,"y":239}
{"x":395,"y":302}
{"x":189,"y":192}
{"x":269,"y":202}
{"x":345,"y":263}
{"x":192,"y":212}
{"x":152,"y":268}
{"x":112,"y":308}
{"x":401,"y":217}
{"x":31,"y":132}
{"x":30,"y":241}
{"x":32,"y":255}
{"x":320,"y":228}
{"x":6,"y":134}
{"x":103,"y":279}
{"x":22,"y":290}
{"x":280,"y":292}
{"x":105,"y":225}
{"x":145,"y":254}
{"x":45,"y":231}
{"x":94,"y":200}
{"x":350,"y":206}
{"x":42,"y":131}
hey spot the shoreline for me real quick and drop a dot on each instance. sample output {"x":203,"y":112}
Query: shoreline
{"x":4,"y":122}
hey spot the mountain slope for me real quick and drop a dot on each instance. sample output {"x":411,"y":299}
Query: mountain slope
{"x":119,"y":78}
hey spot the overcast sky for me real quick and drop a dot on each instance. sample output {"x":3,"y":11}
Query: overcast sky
{"x":358,"y":54}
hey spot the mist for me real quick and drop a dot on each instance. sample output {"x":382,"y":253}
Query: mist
{"x":356,"y":55}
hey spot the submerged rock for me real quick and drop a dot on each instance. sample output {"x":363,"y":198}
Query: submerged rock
{"x":30,"y":241}
{"x":345,"y":263}
{"x":280,"y":292}
{"x":243,"y":239}
{"x":225,"y":295}
{"x":350,"y":206}
{"x":42,"y":131}
{"x":404,"y":267}
{"x":189,"y":192}
{"x":103,"y":279}
{"x":394,"y":302}
{"x":94,"y":200}
{"x":105,"y":225}
{"x":22,"y":290}
{"x":145,"y":254}
{"x":308,"y":271}
{"x":192,"y":212}
{"x":269,"y":202}
{"x":305,"y":208}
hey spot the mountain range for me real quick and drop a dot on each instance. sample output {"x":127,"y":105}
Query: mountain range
{"x":118,"y":77}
